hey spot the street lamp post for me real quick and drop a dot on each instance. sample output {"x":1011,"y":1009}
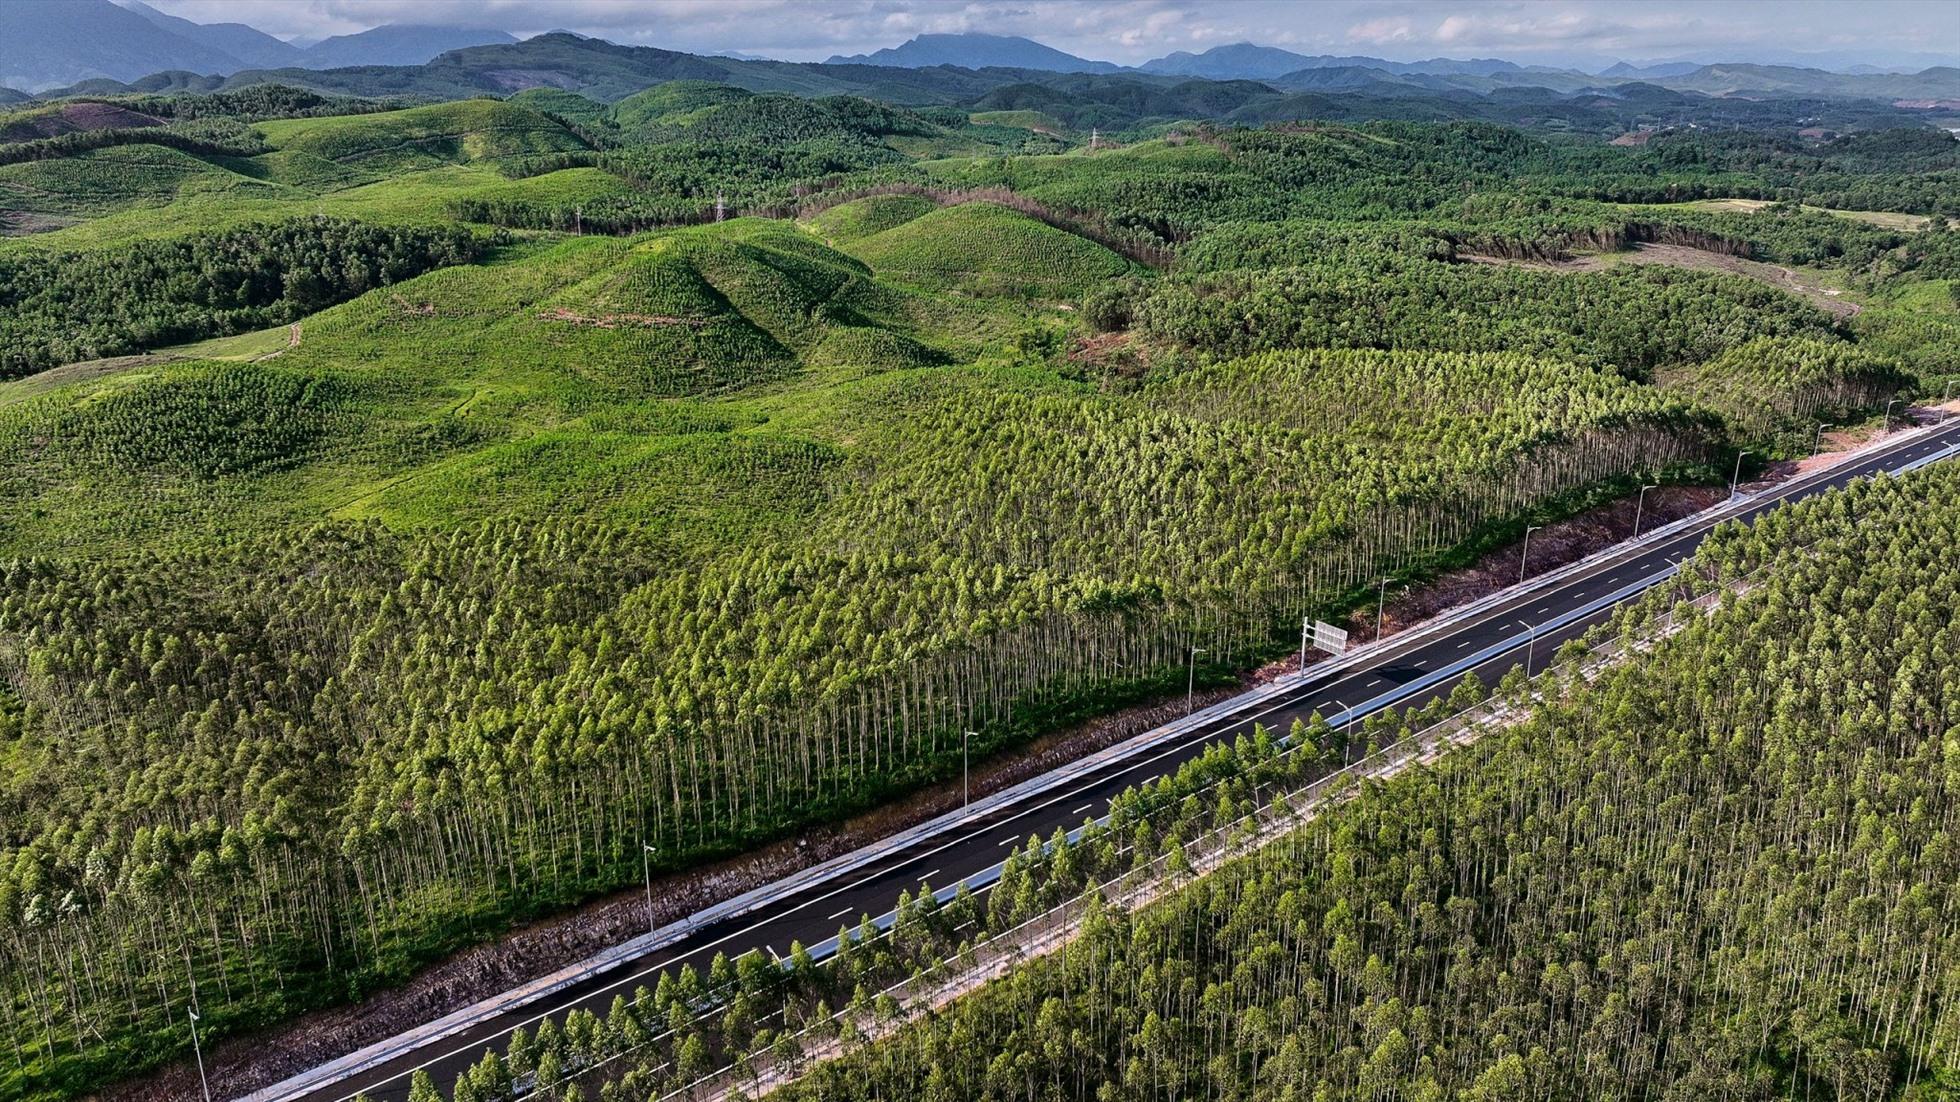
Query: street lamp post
{"x":1946,"y":398}
{"x":1735,"y":480}
{"x":1191,"y":678}
{"x":1381,"y":603}
{"x":199,"y":1050}
{"x":1640,"y":508}
{"x":1524,"y":559}
{"x":1347,"y":729}
{"x":1888,"y":412}
{"x":966,"y":791}
{"x":646,"y":870}
{"x":1303,"y":643}
{"x":1817,"y":445}
{"x":1530,"y":645}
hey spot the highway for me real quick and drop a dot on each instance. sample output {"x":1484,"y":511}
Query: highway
{"x":1405,"y":669}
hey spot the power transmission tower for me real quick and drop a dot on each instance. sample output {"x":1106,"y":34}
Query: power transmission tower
{"x":721,"y":208}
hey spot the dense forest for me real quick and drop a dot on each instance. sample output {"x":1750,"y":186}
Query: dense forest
{"x":63,"y":307}
{"x":576,"y":514}
{"x":1762,"y":921}
{"x":1725,"y":870}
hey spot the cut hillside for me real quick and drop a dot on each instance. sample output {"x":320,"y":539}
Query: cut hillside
{"x":1026,"y":119}
{"x":423,"y":137}
{"x":986,"y":249}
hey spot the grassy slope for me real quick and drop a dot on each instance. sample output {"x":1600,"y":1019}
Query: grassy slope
{"x":861,"y":218}
{"x":593,"y":374}
{"x":985,"y":249}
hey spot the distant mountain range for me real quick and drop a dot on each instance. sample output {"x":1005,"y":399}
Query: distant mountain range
{"x":395,"y":44}
{"x":977,"y":51}
{"x":97,"y":47}
{"x":1245,"y":61}
{"x":1325,"y":72}
{"x":52,"y":43}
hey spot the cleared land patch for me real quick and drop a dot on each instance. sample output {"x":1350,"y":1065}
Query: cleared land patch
{"x":1890,"y":220}
{"x":1808,"y":286}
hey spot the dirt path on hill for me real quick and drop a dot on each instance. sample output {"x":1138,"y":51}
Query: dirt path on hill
{"x":292,"y":342}
{"x":243,"y":1064}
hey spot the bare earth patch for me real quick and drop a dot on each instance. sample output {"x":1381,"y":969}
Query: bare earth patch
{"x":1797,"y":283}
{"x":72,"y":117}
{"x":1112,"y":353}
{"x":413,"y":309}
{"x":614,"y":321}
{"x":22,"y":223}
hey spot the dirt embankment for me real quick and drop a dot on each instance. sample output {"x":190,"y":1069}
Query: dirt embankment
{"x":241,"y":1065}
{"x":1797,"y":283}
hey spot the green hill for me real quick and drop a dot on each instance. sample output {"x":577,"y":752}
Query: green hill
{"x":419,"y":137}
{"x":394,"y":404}
{"x":564,"y":104}
{"x":103,"y":180}
{"x":672,"y":101}
{"x":985,"y":249}
{"x":708,"y":309}
{"x":861,"y":218}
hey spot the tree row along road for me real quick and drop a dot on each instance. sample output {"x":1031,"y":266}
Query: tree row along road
{"x":1530,"y":622}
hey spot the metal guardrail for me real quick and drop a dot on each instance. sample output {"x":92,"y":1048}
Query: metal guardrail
{"x":1284,"y":811}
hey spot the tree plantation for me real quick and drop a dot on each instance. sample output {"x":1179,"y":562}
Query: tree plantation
{"x":1504,"y":924}
{"x":410,"y":512}
{"x":1724,"y":872}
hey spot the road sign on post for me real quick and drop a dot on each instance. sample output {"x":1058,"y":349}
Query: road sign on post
{"x":1329,"y":638}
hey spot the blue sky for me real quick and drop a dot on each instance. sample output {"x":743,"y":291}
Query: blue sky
{"x":1563,"y":32}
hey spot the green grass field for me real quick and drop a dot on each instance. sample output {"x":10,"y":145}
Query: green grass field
{"x":420,"y":137}
{"x":419,"y":197}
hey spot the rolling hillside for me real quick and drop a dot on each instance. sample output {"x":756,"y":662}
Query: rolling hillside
{"x":983,"y":249}
{"x":408,"y":515}
{"x":405,"y":165}
{"x":447,"y":133}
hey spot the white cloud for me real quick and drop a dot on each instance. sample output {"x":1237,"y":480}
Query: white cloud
{"x":1381,"y":32}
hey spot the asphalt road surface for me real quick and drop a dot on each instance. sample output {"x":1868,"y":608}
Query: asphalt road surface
{"x":1426,"y":665}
